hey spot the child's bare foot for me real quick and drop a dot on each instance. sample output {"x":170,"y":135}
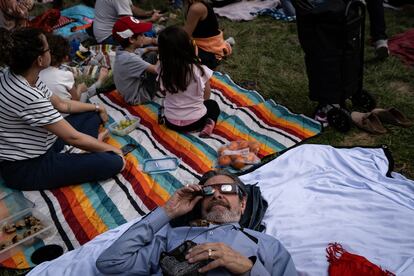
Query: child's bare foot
{"x":103,"y":135}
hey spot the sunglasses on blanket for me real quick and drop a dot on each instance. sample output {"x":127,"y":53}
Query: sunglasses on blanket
{"x":224,"y":188}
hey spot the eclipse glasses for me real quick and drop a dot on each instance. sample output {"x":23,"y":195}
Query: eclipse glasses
{"x":224,"y":188}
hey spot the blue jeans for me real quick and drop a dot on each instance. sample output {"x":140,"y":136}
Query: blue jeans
{"x":54,"y":169}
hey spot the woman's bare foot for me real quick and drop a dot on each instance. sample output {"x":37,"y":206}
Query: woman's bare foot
{"x":103,"y":135}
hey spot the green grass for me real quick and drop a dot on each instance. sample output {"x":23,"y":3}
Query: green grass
{"x":268,"y":52}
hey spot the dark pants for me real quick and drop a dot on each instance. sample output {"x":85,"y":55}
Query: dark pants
{"x":376,"y":18}
{"x":213,"y":111}
{"x":54,"y":169}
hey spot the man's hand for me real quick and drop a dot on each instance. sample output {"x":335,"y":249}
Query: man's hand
{"x":183,"y":201}
{"x":221,"y":255}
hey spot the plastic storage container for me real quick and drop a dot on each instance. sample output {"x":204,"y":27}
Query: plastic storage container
{"x":122,"y":127}
{"x":160,"y":165}
{"x":11,"y":249}
{"x":12,"y":203}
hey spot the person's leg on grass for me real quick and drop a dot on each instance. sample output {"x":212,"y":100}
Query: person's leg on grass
{"x":375,"y":10}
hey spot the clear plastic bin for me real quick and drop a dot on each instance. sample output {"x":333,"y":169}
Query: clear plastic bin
{"x":12,"y":249}
{"x":160,"y":165}
{"x":119,"y":129}
{"x":13,"y":203}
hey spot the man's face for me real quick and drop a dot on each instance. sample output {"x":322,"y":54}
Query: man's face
{"x":219,"y":207}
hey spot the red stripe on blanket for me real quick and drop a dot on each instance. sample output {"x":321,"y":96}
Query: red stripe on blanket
{"x":142,"y":186}
{"x":262,"y":112}
{"x":230,"y":94}
{"x":223,"y":130}
{"x":70,"y":210}
{"x":169,"y":139}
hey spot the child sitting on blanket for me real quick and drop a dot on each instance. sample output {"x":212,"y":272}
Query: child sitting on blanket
{"x":61,"y":81}
{"x":134,"y":75}
{"x":186,"y":83}
{"x":201,"y":24}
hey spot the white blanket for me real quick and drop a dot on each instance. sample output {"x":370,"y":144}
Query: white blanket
{"x":242,"y":10}
{"x":317,"y":195}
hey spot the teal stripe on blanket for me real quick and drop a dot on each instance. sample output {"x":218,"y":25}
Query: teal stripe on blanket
{"x":254,"y":96}
{"x":103,"y":205}
{"x":285,"y":113}
{"x":240,"y":125}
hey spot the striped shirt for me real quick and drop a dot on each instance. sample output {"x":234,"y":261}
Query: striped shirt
{"x":24,"y":110}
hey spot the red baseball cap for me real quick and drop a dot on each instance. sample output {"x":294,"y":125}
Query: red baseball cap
{"x":127,"y":26}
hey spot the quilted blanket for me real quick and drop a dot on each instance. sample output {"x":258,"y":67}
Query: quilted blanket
{"x":81,"y":212}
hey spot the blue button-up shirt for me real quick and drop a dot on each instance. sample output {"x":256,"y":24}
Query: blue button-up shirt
{"x":138,"y":250}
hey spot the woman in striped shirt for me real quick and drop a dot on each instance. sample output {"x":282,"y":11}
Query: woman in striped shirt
{"x":32,"y":131}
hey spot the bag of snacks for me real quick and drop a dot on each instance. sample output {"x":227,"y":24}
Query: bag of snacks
{"x":238,"y":154}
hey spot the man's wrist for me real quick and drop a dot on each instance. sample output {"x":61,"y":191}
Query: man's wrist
{"x":97,"y":108}
{"x":169,"y":211}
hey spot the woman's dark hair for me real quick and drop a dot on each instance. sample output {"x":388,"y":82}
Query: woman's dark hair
{"x":59,"y":48}
{"x":177,"y":56}
{"x":20,"y":48}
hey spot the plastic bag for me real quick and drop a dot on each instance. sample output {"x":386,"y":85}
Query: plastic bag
{"x":238,"y":154}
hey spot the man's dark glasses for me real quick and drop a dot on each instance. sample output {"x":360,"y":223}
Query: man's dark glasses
{"x":224,"y":188}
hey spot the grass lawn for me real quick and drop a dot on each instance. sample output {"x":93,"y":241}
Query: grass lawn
{"x":268,"y":52}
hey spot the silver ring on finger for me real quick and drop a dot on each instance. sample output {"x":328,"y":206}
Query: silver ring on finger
{"x":210,"y":253}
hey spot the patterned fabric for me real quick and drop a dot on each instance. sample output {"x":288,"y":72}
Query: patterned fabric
{"x":275,"y":13}
{"x":63,"y":21}
{"x":81,"y":212}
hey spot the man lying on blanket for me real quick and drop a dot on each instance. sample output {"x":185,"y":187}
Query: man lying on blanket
{"x":218,"y":245}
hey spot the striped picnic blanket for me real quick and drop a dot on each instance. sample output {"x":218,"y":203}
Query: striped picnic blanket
{"x":81,"y":212}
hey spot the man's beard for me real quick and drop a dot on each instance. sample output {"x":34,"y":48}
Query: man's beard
{"x":222,"y":215}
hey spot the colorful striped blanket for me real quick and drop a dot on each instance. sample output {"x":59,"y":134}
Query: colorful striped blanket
{"x":81,"y":212}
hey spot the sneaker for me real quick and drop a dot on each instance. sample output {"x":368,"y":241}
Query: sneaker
{"x":321,"y":117}
{"x":381,"y":48}
{"x":208,"y":129}
{"x":231,"y":41}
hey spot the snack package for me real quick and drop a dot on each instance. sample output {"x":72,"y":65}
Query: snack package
{"x":238,"y":154}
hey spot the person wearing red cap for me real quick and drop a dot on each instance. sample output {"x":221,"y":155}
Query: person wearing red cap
{"x":134,"y":68}
{"x":107,"y":12}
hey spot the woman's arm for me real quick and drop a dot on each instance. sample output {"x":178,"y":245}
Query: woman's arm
{"x":77,"y":90}
{"x":196,"y":12}
{"x":138,"y":12}
{"x":69,"y":106}
{"x":67,"y":133}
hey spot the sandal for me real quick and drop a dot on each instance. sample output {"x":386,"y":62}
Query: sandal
{"x":392,"y":116}
{"x":368,"y":122}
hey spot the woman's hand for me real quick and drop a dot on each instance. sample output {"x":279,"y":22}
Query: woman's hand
{"x":102,"y":113}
